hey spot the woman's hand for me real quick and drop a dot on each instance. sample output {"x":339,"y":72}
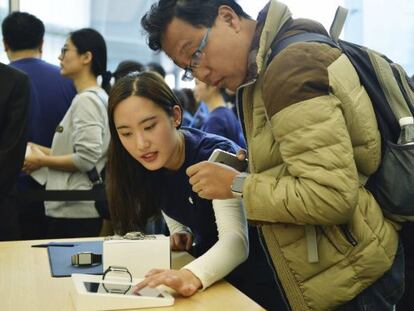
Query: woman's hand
{"x":184,"y":282}
{"x":33,"y":159}
{"x":181,"y":241}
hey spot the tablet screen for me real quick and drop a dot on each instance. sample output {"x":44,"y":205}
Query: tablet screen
{"x":121,"y":289}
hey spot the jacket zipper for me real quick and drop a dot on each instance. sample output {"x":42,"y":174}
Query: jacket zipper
{"x":348,"y":235}
{"x":270,"y":263}
{"x":239,"y":103}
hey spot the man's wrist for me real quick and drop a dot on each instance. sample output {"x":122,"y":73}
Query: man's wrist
{"x":238,"y":184}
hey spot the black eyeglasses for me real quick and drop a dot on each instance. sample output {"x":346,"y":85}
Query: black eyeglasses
{"x":64,"y":50}
{"x":195,"y":59}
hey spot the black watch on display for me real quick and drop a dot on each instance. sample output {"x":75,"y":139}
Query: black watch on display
{"x":85,"y":259}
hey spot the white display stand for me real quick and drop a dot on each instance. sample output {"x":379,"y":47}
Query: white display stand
{"x":138,"y":256}
{"x":90,"y":292}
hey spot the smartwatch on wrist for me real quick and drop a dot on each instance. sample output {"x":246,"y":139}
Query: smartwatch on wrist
{"x":85,"y":259}
{"x":237,"y":185}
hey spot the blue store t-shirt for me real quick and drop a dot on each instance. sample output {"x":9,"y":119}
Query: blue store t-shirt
{"x":51,"y":96}
{"x":222,"y":121}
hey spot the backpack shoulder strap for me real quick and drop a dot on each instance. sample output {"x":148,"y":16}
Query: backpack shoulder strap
{"x":338,"y":23}
{"x":390,"y":86}
{"x":278,"y":46}
{"x":334,"y":32}
{"x":94,"y":176}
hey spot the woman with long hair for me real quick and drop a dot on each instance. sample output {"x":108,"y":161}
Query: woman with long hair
{"x":147,"y":161}
{"x":80,"y":143}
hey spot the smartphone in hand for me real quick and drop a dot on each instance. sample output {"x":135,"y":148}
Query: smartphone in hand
{"x":230,"y":159}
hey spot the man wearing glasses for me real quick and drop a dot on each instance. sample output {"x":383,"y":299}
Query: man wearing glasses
{"x":310,"y":131}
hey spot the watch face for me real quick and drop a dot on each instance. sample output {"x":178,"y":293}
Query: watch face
{"x":84,"y":259}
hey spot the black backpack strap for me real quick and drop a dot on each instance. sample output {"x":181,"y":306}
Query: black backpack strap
{"x":94,"y":176}
{"x":63,"y":195}
{"x":280,"y":45}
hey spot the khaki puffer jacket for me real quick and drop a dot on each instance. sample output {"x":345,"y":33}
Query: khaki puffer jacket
{"x":311,"y":131}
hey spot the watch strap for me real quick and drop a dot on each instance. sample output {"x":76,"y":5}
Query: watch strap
{"x":237,"y":185}
{"x":94,"y":259}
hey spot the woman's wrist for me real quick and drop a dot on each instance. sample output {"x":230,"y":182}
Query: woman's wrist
{"x":193,"y":279}
{"x":43,"y":161}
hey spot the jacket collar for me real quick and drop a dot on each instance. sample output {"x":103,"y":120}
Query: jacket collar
{"x":269,"y":23}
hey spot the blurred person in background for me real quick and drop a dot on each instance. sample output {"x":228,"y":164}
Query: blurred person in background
{"x":125,"y":67}
{"x":153,"y":66}
{"x":220,"y":119}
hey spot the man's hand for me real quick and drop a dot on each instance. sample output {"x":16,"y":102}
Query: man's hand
{"x":181,"y":241}
{"x":183,"y":281}
{"x":241,"y":154}
{"x":212,"y":180}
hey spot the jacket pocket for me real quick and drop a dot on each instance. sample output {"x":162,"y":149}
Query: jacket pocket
{"x":340,"y":237}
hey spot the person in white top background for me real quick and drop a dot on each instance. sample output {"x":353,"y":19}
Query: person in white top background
{"x":81,"y":140}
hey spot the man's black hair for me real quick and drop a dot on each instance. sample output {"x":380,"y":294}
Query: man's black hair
{"x":199,"y":13}
{"x":22,"y":31}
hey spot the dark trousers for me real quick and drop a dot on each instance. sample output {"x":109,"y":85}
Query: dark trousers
{"x":73,"y":227}
{"x":32,"y":218}
{"x":407,"y":237}
{"x":255,"y":277}
{"x":9,"y":225}
{"x":384,"y":294}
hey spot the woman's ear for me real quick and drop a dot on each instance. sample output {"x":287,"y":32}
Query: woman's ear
{"x":87,"y":57}
{"x":177,"y":116}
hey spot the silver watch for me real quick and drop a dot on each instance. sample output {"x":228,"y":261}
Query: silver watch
{"x":237,"y":185}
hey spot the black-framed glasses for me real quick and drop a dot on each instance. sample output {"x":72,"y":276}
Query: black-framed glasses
{"x":195,"y":59}
{"x":64,"y":50}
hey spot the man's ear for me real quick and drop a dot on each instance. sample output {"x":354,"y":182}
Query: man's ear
{"x":6,"y":46}
{"x":229,"y":17}
{"x":41,"y":47}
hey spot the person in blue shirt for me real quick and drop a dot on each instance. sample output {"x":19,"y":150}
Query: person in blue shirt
{"x":220,"y":120}
{"x":199,"y":116}
{"x":51,"y":96}
{"x":147,"y":161}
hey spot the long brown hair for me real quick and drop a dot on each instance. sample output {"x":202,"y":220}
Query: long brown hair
{"x":131,"y":188}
